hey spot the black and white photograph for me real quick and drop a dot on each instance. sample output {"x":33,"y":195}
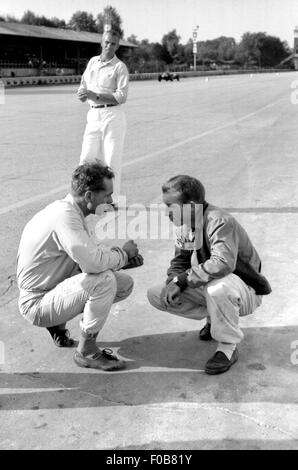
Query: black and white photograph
{"x":148,"y":227}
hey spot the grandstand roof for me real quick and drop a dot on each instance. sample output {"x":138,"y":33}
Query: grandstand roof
{"x":45,"y":32}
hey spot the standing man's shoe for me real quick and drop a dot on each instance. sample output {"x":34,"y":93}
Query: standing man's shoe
{"x":205,"y":333}
{"x":219,"y":363}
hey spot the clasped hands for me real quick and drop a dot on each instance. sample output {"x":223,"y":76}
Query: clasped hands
{"x":134,"y":258}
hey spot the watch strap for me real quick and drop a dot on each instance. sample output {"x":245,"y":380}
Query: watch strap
{"x":182,"y":281}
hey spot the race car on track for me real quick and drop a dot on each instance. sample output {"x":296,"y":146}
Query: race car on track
{"x":168,"y":76}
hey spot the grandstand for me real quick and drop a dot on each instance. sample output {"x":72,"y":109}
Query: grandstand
{"x":29,"y":50}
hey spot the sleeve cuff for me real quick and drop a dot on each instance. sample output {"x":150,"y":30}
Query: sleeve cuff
{"x":115,"y":95}
{"x":121,"y":99}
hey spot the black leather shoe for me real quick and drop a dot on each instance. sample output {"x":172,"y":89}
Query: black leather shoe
{"x":219,"y":363}
{"x":61,"y":338}
{"x":205,"y":333}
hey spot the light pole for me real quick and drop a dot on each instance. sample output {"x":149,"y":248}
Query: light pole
{"x":195,"y":49}
{"x":107,"y":22}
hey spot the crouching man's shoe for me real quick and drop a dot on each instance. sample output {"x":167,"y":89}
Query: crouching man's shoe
{"x":89,"y":355}
{"x":103,"y":359}
{"x":219,"y":363}
{"x":61,"y":337}
{"x":205,"y":333}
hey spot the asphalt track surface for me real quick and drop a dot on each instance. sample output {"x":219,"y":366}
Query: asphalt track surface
{"x":238,"y":134}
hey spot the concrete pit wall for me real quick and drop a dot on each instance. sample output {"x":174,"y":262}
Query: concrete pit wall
{"x":75,"y":79}
{"x":34,"y":81}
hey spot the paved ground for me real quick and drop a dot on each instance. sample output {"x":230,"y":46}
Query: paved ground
{"x":239,"y":136}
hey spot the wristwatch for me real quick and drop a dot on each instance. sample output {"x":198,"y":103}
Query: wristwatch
{"x":176,"y":281}
{"x":181,"y":281}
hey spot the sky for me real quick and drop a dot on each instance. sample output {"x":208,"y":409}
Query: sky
{"x":151,"y":19}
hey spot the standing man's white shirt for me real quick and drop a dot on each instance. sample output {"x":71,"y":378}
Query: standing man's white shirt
{"x":105,"y":84}
{"x":106,"y":77}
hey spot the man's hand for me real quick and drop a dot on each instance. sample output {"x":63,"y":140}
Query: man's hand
{"x":82,"y":95}
{"x":131,"y":249}
{"x":134,"y":262}
{"x":91,"y":95}
{"x":170,"y":296}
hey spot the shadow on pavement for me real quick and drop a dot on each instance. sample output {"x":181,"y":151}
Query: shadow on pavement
{"x":164,"y":368}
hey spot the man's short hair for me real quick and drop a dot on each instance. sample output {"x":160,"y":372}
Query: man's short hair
{"x":90,"y":177}
{"x":190,"y":189}
{"x":114,"y":31}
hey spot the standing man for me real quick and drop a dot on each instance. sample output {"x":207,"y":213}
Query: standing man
{"x":216,"y":271}
{"x":105,"y":85}
{"x":63,"y":273}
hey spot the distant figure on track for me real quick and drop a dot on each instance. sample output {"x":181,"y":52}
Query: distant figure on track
{"x":216,"y":271}
{"x":63,"y":273}
{"x":105,"y":85}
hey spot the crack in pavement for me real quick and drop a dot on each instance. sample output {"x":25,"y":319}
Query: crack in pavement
{"x":256,"y":421}
{"x":259,"y":423}
{"x":11,"y":278}
{"x":105,"y":399}
{"x":78,"y":389}
{"x":243,"y":415}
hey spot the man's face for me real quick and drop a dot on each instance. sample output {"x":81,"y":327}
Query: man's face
{"x":98,"y":198}
{"x":174,"y":206}
{"x":190,"y":214}
{"x":109,"y":44}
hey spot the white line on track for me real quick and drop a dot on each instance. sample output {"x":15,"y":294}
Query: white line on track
{"x":32,"y":199}
{"x":199,"y":136}
{"x":36,"y":198}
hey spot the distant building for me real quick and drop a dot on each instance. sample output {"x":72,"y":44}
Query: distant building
{"x":296,"y":48}
{"x":293,"y":58}
{"x":45,"y":49}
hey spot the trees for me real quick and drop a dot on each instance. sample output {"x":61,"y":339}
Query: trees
{"x":226,"y":48}
{"x":170,"y":43}
{"x":109,"y":16}
{"x":82,"y":21}
{"x":218,"y":50}
{"x":11,"y":19}
{"x":147,"y":57}
{"x":133,"y":39}
{"x":255,"y":49}
{"x":57,"y":23}
{"x":30,"y":18}
{"x":260,"y":49}
{"x":248,"y":52}
{"x":272,"y":51}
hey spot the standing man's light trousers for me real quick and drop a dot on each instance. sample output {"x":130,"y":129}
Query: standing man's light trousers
{"x":222,"y":301}
{"x":89,"y":294}
{"x":104,"y":140}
